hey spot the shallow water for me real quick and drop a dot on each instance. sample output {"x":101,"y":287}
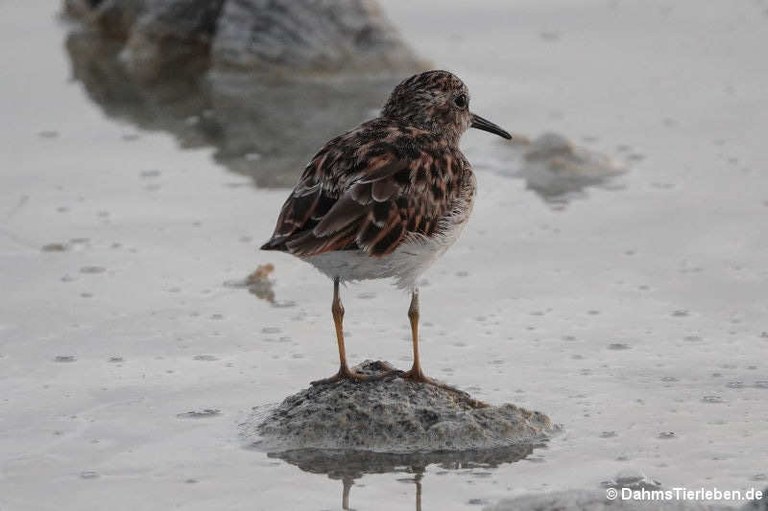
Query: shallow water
{"x":635,"y":315}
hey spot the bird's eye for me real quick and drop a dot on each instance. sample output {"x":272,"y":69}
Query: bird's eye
{"x":460,"y":101}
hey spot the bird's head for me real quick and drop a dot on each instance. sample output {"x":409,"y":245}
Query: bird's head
{"x":436,"y":101}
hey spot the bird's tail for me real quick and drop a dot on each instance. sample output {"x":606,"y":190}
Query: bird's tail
{"x":274,"y":244}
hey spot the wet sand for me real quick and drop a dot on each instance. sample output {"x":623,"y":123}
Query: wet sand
{"x":635,"y":316}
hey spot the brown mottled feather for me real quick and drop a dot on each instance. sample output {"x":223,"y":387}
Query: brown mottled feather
{"x":369,"y":189}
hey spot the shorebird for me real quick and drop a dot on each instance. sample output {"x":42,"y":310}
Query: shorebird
{"x":387,"y":198}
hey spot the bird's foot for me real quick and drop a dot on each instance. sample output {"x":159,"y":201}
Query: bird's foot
{"x":345,"y":373}
{"x":417,"y":375}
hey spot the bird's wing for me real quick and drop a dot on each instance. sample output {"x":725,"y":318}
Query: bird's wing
{"x":371,"y":204}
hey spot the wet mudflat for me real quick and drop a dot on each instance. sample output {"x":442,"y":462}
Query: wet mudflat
{"x":631,"y":310}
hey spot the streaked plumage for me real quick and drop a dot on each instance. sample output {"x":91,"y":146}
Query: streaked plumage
{"x":388,"y":197}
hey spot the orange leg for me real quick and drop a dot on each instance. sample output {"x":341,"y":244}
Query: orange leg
{"x":415,"y":373}
{"x":344,"y":372}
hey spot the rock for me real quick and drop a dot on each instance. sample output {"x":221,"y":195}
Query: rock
{"x":270,"y":37}
{"x":632,"y":479}
{"x":112,"y":18}
{"x":393,"y":416}
{"x":581,"y":500}
{"x":616,"y":498}
{"x":171,"y":37}
{"x":318,"y":36}
{"x":159,"y":39}
{"x":760,"y":504}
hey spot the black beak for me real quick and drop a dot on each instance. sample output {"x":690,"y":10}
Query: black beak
{"x":485,"y":125}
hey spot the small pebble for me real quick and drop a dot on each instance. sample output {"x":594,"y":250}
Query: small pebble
{"x":199,"y":414}
{"x":92,"y":269}
{"x":54,"y":247}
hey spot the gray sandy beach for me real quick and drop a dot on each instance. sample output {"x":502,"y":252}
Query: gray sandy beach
{"x":629,"y":305}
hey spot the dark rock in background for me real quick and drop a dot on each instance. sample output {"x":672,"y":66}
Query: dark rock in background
{"x":159,"y":38}
{"x":172,"y":36}
{"x":111,"y":18}
{"x":266,"y":82}
{"x":317,"y":36}
{"x":275,"y":37}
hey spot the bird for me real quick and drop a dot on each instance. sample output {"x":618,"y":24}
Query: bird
{"x":386,"y":199}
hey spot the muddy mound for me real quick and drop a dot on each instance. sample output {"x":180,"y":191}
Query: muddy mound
{"x":393,"y":415}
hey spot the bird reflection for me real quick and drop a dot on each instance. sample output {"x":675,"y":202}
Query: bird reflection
{"x":348,"y":466}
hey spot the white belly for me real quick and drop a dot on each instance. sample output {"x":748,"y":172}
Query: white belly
{"x":408,"y":261}
{"x":405,"y":264}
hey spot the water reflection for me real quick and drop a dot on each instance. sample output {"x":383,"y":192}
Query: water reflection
{"x":554,"y":168}
{"x":269,"y":129}
{"x":347,"y":466}
{"x":259,"y":127}
{"x":559,"y":171}
{"x":167,"y":103}
{"x":258,"y":283}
